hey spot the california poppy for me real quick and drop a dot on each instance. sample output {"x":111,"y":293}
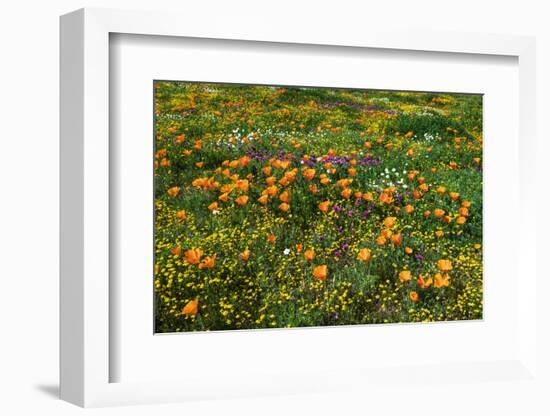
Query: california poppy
{"x":191,"y":308}
{"x":284,"y":207}
{"x":413,"y":296}
{"x":444,"y":265}
{"x":309,"y":255}
{"x":405,"y":275}
{"x":208,"y":262}
{"x":364,"y":254}
{"x":324,"y":206}
{"x":320,"y":272}
{"x":441,"y":280}
{"x":174,"y":191}
{"x":242,"y":200}
{"x":193,"y":256}
{"x":181,"y":215}
{"x":244,"y":256}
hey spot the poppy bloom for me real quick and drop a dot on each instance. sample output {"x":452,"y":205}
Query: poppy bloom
{"x":242,"y":185}
{"x":444,"y":265}
{"x":427,"y":213}
{"x":309,"y":255}
{"x":193,"y":256}
{"x":224,"y":197}
{"x":441,"y":280}
{"x":438,"y":212}
{"x":199,"y":164}
{"x":245,"y":255}
{"x":390,"y":222}
{"x":463,"y":211}
{"x":364,"y":254}
{"x":309,"y":174}
{"x":271,"y":180}
{"x":191,"y":308}
{"x":284,"y":196}
{"x":313,"y":189}
{"x":346,"y":193}
{"x":299,"y":247}
{"x":198,"y":144}
{"x":271,"y":190}
{"x":381,"y":240}
{"x":441,"y":190}
{"x":208,"y":262}
{"x":267,"y":170}
{"x":424,"y":283}
{"x":324,"y":206}
{"x":409,"y":209}
{"x":367,"y":196}
{"x":180,"y":139}
{"x":352,"y":172}
{"x":423,"y":187}
{"x":271,"y":238}
{"x":213,"y":206}
{"x":405,"y":275}
{"x":181,"y":215}
{"x":263,"y":199}
{"x":461,"y":220}
{"x":176,"y":251}
{"x":174,"y":191}
{"x":320,"y":272}
{"x":439,"y":233}
{"x":408,"y":250}
{"x":397,"y":239}
{"x":413,"y":296}
{"x":454,"y":195}
{"x":284,"y":207}
{"x":242,"y":200}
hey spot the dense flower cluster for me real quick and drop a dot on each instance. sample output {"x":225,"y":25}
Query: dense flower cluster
{"x":289,"y":207}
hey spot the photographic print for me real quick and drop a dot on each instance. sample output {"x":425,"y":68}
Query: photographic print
{"x":286,"y":206}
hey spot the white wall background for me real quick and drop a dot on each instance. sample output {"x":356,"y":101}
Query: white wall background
{"x":29,"y":180}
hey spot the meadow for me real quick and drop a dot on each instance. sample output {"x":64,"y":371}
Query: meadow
{"x":282,"y":207}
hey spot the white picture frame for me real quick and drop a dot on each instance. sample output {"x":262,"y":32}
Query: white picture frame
{"x":85,"y":220}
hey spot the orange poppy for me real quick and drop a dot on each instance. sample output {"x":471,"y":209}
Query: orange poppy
{"x":414,"y":296}
{"x":174,"y":191}
{"x":242,"y":200}
{"x":441,"y":280}
{"x":427,"y":213}
{"x":242,"y":185}
{"x":245,"y":255}
{"x":463,"y":211}
{"x":367,"y":196}
{"x":364,"y":254}
{"x":181,"y":215}
{"x":409,"y":209}
{"x":309,"y":174}
{"x":285,"y":197}
{"x":439,"y":233}
{"x":271,"y":238}
{"x":271,"y":190}
{"x":208,"y":262}
{"x":176,"y":251}
{"x":441,"y":190}
{"x":309,"y":255}
{"x":320,"y":272}
{"x":271,"y":180}
{"x":346,"y":193}
{"x":405,"y":275}
{"x":299,"y":247}
{"x":461,"y":220}
{"x":444,"y":265}
{"x":284,"y":207}
{"x":438,"y":212}
{"x":263,"y":199}
{"x":213,"y":206}
{"x":267,"y":170}
{"x":381,"y":240}
{"x":454,"y":195}
{"x":224,"y":197}
{"x":397,"y":239}
{"x":324,"y":206}
{"x":390,"y":222}
{"x":352,"y":172}
{"x":191,"y":308}
{"x":424,"y":283}
{"x":193,"y":256}
{"x":408,"y":250}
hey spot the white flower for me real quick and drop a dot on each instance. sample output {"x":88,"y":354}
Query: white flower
{"x":215,"y":211}
{"x":286,"y":252}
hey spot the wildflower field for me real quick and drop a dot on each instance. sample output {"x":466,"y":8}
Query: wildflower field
{"x":285,"y":207}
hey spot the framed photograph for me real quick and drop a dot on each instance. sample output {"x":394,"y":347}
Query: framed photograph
{"x":293,"y":212}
